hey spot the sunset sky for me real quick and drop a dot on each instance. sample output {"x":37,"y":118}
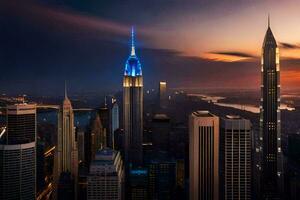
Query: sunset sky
{"x":189,"y":43}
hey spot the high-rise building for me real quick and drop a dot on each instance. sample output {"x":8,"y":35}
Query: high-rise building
{"x":270,"y":131}
{"x":163,"y":96}
{"x":114,"y":121}
{"x":98,"y":136}
{"x":162,"y":175}
{"x":204,"y":156}
{"x":106,"y":177}
{"x":66,"y":158}
{"x":133,"y":107}
{"x":138,"y":184}
{"x":104,"y":114}
{"x":18,"y":153}
{"x":161,"y":128}
{"x":81,"y":145}
{"x":235,"y":158}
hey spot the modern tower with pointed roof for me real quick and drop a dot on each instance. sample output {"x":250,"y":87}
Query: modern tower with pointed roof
{"x":66,"y":158}
{"x":133,"y":107}
{"x":270,"y":131}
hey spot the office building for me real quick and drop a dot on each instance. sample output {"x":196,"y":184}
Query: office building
{"x":106,"y":177}
{"x":163,"y":96}
{"x":66,"y":158}
{"x":161,"y":128}
{"x":81,"y":145}
{"x":18,"y":153}
{"x":235,"y":158}
{"x":104,"y":114}
{"x":133,"y":107}
{"x":114,"y":121}
{"x":162,"y":175}
{"x":270,"y":131}
{"x":138,"y":184}
{"x":204,"y":156}
{"x":98,"y":136}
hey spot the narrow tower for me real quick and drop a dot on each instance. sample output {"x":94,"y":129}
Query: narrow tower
{"x":270,"y":132}
{"x":66,"y":154}
{"x":133,"y":107}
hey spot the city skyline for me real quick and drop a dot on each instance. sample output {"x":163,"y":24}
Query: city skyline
{"x":82,"y":37}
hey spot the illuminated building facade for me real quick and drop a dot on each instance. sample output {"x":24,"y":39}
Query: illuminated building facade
{"x":66,"y":159}
{"x":204,"y":156}
{"x":18,"y":153}
{"x":163,"y":96}
{"x":270,"y":132}
{"x":133,"y":108}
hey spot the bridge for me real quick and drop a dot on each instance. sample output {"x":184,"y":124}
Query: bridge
{"x":56,"y":107}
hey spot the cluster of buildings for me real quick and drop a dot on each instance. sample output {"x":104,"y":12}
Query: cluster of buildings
{"x":114,"y":163}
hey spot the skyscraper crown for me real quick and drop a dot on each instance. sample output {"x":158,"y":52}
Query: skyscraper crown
{"x":133,"y":66}
{"x":269,"y":37}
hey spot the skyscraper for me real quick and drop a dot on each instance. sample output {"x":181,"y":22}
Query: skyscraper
{"x":98,"y":136}
{"x":66,"y":159}
{"x":163,"y":97}
{"x":204,"y":156}
{"x":133,"y":107}
{"x":235,"y":158}
{"x":106,"y":177}
{"x":114,"y":121}
{"x":270,"y":132}
{"x":18,"y":153}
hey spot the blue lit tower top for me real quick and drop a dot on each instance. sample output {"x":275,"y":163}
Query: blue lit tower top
{"x":133,"y":66}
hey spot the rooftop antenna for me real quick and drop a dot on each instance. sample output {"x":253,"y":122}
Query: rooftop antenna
{"x":132,"y":42}
{"x":269,"y":20}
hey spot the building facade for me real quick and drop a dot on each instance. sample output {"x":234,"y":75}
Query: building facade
{"x":133,"y":108}
{"x":270,"y":131}
{"x":115,"y":121}
{"x":106,"y":177}
{"x":66,"y":158}
{"x":163,"y":96}
{"x":18,"y":153}
{"x":204,"y":156}
{"x":235,"y":158}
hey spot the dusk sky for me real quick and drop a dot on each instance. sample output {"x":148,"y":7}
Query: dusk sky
{"x":188,"y":43}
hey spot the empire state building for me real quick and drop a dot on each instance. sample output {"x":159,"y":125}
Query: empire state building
{"x":133,"y":108}
{"x":270,"y":132}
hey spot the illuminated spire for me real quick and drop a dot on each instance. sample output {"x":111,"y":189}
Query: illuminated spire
{"x":132,"y":42}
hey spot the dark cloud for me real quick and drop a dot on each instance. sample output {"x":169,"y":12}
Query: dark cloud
{"x":289,"y":45}
{"x":233,"y":53}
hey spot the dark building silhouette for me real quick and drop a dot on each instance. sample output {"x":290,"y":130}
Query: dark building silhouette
{"x":133,"y":108}
{"x":272,"y":172}
{"x":65,"y":188}
{"x":161,"y":128}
